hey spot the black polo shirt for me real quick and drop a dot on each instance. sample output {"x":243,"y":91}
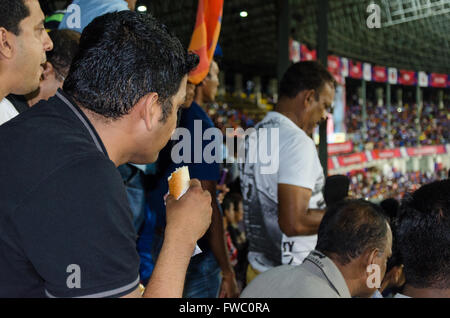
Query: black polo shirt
{"x":66,"y":228}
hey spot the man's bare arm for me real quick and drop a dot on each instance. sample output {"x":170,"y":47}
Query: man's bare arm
{"x":216,"y":239}
{"x":187,"y":220}
{"x":294,"y":217}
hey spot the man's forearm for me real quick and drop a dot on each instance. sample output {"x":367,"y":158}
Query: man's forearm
{"x":216,"y":238}
{"x":167,"y":280}
{"x":309,"y":224}
{"x":314,"y":218}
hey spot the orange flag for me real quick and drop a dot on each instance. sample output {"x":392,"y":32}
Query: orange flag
{"x":205,"y":36}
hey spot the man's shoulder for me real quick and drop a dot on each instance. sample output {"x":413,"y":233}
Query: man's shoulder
{"x":288,"y":281}
{"x":41,"y":144}
{"x":195,"y":112}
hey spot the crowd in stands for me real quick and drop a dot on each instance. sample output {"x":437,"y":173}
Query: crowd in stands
{"x":373,"y":185}
{"x":434,"y":126}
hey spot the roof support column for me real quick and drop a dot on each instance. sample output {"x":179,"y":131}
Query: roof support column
{"x":418,"y":111}
{"x":322,"y":56}
{"x":389,"y":115}
{"x":364,"y":110}
{"x":284,"y":23}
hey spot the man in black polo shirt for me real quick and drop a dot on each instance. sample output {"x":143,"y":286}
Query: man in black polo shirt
{"x":65,"y":224}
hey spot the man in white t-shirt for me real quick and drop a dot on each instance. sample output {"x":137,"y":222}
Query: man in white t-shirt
{"x":23,"y":43}
{"x":283,"y":210}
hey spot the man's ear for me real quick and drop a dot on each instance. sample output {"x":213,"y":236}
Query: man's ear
{"x":370,"y":257}
{"x":310,"y":96}
{"x":6,"y":47}
{"x":48,"y":71}
{"x":150,"y":110}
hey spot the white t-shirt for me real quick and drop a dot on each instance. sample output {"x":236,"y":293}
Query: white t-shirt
{"x":299,"y":165}
{"x":7,"y":111}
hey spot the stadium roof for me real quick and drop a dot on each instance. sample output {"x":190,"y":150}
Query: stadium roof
{"x":414,"y":34}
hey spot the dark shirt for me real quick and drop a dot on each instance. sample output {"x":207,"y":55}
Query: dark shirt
{"x":19,"y":102}
{"x":66,"y":228}
{"x":201,"y":171}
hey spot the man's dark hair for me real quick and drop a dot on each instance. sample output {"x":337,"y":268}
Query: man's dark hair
{"x":350,"y":227}
{"x":390,"y":207}
{"x":12,"y":12}
{"x":335,"y":189}
{"x":65,"y":47}
{"x":122,"y":57}
{"x":423,"y":234}
{"x":305,"y":76}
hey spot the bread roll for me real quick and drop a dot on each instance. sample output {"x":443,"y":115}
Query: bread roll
{"x":179,"y":182}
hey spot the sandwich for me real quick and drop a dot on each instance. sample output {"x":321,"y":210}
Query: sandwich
{"x":179,"y":182}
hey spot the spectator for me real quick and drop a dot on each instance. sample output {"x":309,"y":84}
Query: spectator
{"x":354,"y":235}
{"x":133,"y":176}
{"x":203,"y":278}
{"x":233,"y":211}
{"x":284,"y":208}
{"x":23,"y":44}
{"x":424,"y":239}
{"x":68,"y":149}
{"x":90,"y":9}
{"x":65,"y":47}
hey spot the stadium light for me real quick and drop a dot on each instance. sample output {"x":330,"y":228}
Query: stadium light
{"x":243,"y":14}
{"x":142,"y":9}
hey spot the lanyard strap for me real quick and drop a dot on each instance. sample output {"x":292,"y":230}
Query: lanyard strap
{"x":81,"y":118}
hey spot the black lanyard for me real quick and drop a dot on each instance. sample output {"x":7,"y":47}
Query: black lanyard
{"x":82,"y":119}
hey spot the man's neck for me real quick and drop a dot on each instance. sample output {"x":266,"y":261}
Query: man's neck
{"x":348,"y":274}
{"x":295,"y":118}
{"x":414,"y":292}
{"x":199,"y":100}
{"x":3,"y":91}
{"x":112,"y":135}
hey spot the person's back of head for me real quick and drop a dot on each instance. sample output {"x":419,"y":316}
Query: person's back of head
{"x":129,"y":77}
{"x":423,"y":234}
{"x":23,"y":44}
{"x":133,"y":54}
{"x":335,"y":189}
{"x":355,"y":234}
{"x":65,"y":47}
{"x":302,"y":76}
{"x":390,"y":207}
{"x":206,"y":90}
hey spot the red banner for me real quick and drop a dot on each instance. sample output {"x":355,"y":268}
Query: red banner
{"x":340,"y":148}
{"x":438,"y":80}
{"x":353,"y":159}
{"x":355,"y":70}
{"x":426,"y":150}
{"x":308,"y":55}
{"x":334,"y":64}
{"x":386,"y":154}
{"x":407,"y":78}
{"x":379,"y":74}
{"x":330,"y":164}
